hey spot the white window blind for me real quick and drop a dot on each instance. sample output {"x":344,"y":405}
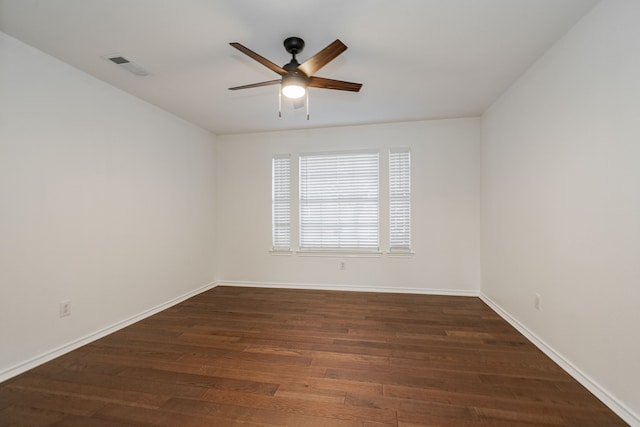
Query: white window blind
{"x":400,"y":200}
{"x":281,"y":203}
{"x":339,"y":201}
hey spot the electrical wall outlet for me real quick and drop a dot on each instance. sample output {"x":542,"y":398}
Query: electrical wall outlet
{"x":65,"y":308}
{"x":343,"y":265}
{"x":537,"y":301}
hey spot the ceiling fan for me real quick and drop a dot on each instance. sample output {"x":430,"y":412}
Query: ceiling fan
{"x":296,"y":77}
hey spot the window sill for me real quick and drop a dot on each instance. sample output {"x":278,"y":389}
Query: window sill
{"x":401,"y":254}
{"x":280,"y":252}
{"x":338,"y":254}
{"x":342,"y":254}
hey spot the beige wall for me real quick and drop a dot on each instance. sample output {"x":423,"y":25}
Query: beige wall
{"x":445,"y":207}
{"x":105,"y":200}
{"x":561,"y":201}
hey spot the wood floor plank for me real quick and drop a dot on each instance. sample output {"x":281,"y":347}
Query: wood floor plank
{"x":232,"y":414}
{"x":52,"y":401}
{"x":342,"y":412}
{"x":285,"y":357}
{"x":307,"y":392}
{"x":205,"y":381}
{"x":25,"y":415}
{"x":75,"y":390}
{"x":322,"y":383}
{"x":75,"y":421}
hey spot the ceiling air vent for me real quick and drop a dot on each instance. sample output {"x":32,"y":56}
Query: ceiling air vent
{"x":132,"y":67}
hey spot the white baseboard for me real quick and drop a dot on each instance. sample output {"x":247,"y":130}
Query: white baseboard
{"x":350,"y":288}
{"x":600,"y":392}
{"x":66,"y":348}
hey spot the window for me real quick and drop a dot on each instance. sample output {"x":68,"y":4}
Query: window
{"x":281,"y":203}
{"x":400,"y":200}
{"x":339,"y":201}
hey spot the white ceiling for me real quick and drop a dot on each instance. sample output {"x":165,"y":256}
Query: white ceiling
{"x":417,"y":59}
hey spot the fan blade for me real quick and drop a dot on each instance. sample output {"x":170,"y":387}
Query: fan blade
{"x":298,"y":103}
{"x":321,"y":82}
{"x":322,"y":58}
{"x":268,"y":83}
{"x":261,"y":59}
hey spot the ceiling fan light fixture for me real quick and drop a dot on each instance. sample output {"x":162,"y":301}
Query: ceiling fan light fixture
{"x":293,"y":91}
{"x":293,"y":87}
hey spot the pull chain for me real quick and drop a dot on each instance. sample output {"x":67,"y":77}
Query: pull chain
{"x":307,"y":102}
{"x":280,"y":103}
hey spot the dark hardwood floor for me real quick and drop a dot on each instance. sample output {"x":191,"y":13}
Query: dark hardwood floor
{"x":277,"y":357}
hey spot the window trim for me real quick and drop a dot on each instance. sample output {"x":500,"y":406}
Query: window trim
{"x":384,"y":208}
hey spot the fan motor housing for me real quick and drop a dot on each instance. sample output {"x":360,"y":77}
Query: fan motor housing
{"x":294,"y":45}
